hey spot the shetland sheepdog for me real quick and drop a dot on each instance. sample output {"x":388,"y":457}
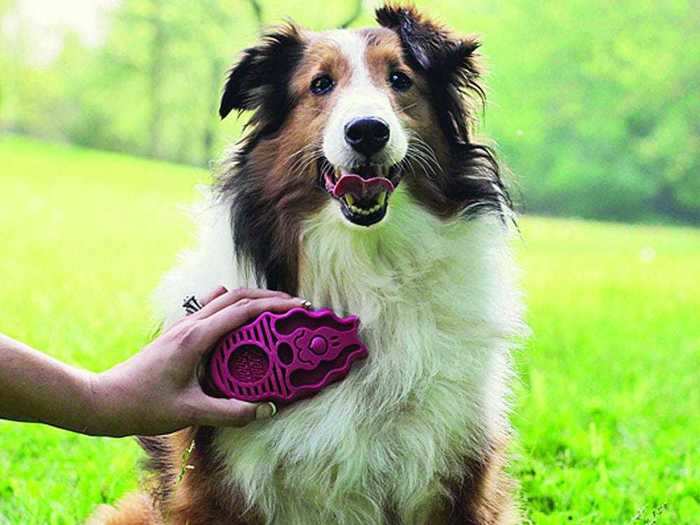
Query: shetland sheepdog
{"x":359,"y":186}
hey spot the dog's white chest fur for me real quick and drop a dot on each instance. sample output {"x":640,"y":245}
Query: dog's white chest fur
{"x":438,"y":308}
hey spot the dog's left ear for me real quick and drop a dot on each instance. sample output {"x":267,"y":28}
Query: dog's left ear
{"x":429,"y":47}
{"x":262,"y":74}
{"x":448,"y":63}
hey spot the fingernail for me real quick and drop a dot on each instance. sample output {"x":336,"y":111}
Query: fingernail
{"x":265,"y":411}
{"x":306,"y":304}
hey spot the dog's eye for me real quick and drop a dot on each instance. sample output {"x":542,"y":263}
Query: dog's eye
{"x":400,"y":81}
{"x":322,"y":84}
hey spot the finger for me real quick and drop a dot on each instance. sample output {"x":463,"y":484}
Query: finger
{"x":194,"y":338}
{"x":222,"y":301}
{"x":209,"y":297}
{"x":221,"y":290}
{"x":243,"y":311}
{"x":233,"y":412}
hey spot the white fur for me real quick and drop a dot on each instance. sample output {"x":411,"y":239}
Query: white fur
{"x":439,"y":309}
{"x":360,"y":98}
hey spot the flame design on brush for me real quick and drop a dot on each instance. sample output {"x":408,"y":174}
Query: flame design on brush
{"x":286,"y":357}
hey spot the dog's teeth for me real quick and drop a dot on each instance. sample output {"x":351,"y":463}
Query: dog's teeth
{"x":365,"y":211}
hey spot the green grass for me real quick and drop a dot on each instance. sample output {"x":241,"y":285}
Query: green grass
{"x":607,"y":403}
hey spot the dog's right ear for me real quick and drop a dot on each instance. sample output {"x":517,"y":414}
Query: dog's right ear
{"x":263,"y":71}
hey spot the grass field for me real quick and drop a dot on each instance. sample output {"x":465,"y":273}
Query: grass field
{"x":607,"y":407}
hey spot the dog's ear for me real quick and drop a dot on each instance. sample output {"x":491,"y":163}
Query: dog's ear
{"x":428,"y":46}
{"x":448,"y":62}
{"x":263,"y":71}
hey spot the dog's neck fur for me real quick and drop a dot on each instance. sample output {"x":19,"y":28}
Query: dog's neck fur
{"x":438,"y":309}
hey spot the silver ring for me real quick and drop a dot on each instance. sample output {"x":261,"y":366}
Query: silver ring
{"x":191,"y":304}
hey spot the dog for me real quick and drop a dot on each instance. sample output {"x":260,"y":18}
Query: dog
{"x":358,"y":185}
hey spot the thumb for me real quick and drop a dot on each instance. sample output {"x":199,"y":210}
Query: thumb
{"x":233,"y":412}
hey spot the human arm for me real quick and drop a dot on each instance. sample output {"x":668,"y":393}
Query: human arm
{"x":154,"y":392}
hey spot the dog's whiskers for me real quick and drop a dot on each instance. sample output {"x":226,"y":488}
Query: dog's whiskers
{"x":424,"y":155}
{"x":305,"y":163}
{"x":304,"y":149}
{"x":427,"y":148}
{"x":421,"y":160}
{"x":303,"y":157}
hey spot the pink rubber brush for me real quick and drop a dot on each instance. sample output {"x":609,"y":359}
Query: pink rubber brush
{"x":285,"y":357}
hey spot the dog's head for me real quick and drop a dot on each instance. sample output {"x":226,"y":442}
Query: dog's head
{"x":346,"y":116}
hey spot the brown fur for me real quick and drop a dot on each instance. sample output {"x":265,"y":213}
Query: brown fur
{"x":191,"y":493}
{"x":202,"y":496}
{"x":134,"y":509}
{"x":484,"y":495}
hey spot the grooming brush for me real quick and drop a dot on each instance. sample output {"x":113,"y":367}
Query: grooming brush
{"x":285,"y":357}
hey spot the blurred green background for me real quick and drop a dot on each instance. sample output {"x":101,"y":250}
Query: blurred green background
{"x":595,"y":105}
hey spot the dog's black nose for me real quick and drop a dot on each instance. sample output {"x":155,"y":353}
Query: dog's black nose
{"x":367,"y":135}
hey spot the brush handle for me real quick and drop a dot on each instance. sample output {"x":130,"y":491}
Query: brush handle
{"x":285,"y":357}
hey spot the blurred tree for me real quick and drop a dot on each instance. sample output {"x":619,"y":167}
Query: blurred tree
{"x":600,"y":109}
{"x":258,"y":12}
{"x":156,"y":80}
{"x":4,"y":59}
{"x":221,"y":23}
{"x":356,"y":12}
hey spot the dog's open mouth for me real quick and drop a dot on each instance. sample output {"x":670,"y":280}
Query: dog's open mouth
{"x":363,"y":192}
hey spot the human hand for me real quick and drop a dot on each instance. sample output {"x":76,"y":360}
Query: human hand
{"x":157,"y":391}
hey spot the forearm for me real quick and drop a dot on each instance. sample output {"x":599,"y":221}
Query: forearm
{"x":156,"y":391}
{"x":35,"y":387}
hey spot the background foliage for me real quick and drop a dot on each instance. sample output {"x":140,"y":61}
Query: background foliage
{"x":595,"y":105}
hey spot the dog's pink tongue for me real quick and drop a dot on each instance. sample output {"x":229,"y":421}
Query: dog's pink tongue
{"x":359,"y":187}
